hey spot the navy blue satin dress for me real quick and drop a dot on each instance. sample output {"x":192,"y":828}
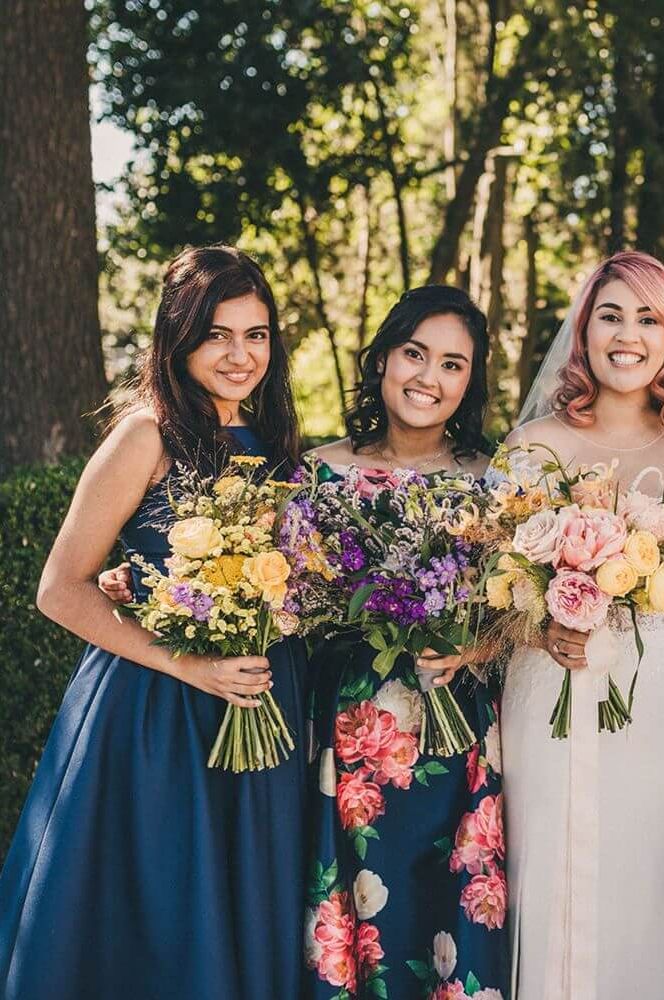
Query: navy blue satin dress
{"x":136,"y":873}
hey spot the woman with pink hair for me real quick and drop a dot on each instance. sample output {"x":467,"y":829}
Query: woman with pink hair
{"x":585,"y":815}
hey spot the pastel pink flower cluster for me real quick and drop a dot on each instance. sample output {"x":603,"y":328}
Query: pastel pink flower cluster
{"x":369,"y":736}
{"x":479,"y":849}
{"x":345,"y":949}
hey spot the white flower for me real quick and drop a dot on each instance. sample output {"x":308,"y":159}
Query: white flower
{"x":404,"y":704}
{"x":488,"y":995}
{"x":444,"y":954}
{"x":537,"y":539}
{"x":327,"y":773}
{"x":312,"y":948}
{"x":492,"y":752}
{"x":370,"y":894}
{"x":643,"y":512}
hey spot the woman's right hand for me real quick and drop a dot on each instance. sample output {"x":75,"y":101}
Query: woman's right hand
{"x":566,"y":646}
{"x":234,"y":678}
{"x":116,"y":583}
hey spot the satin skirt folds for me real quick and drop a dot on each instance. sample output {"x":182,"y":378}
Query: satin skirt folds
{"x":584,"y":831}
{"x":138,"y":873}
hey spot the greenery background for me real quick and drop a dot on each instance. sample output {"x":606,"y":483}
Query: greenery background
{"x":358,"y":148}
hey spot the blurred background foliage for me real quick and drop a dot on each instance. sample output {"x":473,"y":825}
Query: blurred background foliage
{"x":361,"y":147}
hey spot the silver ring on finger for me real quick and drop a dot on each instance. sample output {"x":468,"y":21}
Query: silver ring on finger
{"x":556,"y":647}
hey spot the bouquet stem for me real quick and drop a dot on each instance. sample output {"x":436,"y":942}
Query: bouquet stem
{"x":445,"y":731}
{"x":252,"y":739}
{"x":612,"y":714}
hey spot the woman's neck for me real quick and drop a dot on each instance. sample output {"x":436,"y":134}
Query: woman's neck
{"x":413,"y":445}
{"x":229,"y":414}
{"x":620,"y":417}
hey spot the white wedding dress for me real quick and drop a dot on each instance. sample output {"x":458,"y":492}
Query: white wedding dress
{"x":585,"y":815}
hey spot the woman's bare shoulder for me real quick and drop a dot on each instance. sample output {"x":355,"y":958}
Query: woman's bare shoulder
{"x":336,"y":452}
{"x":543,"y":430}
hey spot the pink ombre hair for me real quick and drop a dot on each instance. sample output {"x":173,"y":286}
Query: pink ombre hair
{"x":578,"y":386}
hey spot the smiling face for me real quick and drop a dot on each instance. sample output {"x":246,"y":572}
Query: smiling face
{"x":235,"y":357}
{"x":425,"y":379}
{"x":625,"y":340}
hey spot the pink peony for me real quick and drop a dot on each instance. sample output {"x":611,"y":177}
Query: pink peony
{"x":480,"y":838}
{"x":396,"y":765}
{"x":575,"y":600}
{"x":369,"y":951}
{"x":484,"y":900}
{"x":450,"y":991}
{"x":335,"y":935}
{"x":359,"y":801}
{"x":370,"y":481}
{"x":363,"y":731}
{"x":588,"y":537}
{"x":476,"y":769}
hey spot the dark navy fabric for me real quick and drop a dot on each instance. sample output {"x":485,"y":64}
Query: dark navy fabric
{"x":136,"y":873}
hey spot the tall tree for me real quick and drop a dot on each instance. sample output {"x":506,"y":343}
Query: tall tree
{"x":50,"y":348}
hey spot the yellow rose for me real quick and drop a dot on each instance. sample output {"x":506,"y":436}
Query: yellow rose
{"x":499,"y":591}
{"x":617,"y":577}
{"x":642,"y":551}
{"x":225,"y":571}
{"x":656,"y":590}
{"x":194,"y":537}
{"x":227,"y":484}
{"x":269,"y":571}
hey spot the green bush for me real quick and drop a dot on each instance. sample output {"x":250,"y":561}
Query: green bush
{"x":36,"y":656}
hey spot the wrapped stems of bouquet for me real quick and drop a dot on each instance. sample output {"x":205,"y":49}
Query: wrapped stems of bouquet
{"x":444,"y":731}
{"x":612,"y":713}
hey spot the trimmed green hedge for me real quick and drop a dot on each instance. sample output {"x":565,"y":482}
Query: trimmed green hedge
{"x":36,"y":656}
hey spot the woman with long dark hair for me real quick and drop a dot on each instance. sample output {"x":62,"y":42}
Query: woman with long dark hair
{"x":135,"y":871}
{"x":407,"y":894}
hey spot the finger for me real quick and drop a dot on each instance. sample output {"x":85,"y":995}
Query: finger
{"x":236,"y":699}
{"x":244,"y":680}
{"x":571,"y":662}
{"x":570,"y":635}
{"x":568,"y":648}
{"x":253,"y":663}
{"x":444,"y":679}
{"x":435,"y":663}
{"x":249,"y":687}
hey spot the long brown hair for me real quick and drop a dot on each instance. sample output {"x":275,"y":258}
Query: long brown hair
{"x":196,"y":281}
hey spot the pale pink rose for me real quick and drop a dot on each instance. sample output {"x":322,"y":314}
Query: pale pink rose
{"x":537,"y":538}
{"x":642,"y":512}
{"x":484,"y":900}
{"x":575,"y":601}
{"x":363,"y":731}
{"x":359,"y":800}
{"x":588,"y":537}
{"x":369,"y":951}
{"x":450,"y":991}
{"x":396,"y":764}
{"x":476,"y":770}
{"x":335,"y":935}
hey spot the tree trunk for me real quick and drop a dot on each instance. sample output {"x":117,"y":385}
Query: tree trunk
{"x":397,"y":186}
{"x":620,"y":133}
{"x":650,"y":232}
{"x":50,"y":348}
{"x":494,"y":249}
{"x":529,"y":341}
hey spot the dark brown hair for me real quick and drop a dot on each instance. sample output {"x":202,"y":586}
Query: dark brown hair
{"x":196,"y":281}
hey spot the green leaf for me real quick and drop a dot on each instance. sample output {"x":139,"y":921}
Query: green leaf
{"x":330,"y":876}
{"x":472,"y":984}
{"x":369,"y":833}
{"x":444,"y":845}
{"x":435,"y":767}
{"x":421,"y":775}
{"x":359,"y":599}
{"x":384,"y":661}
{"x":376,"y":639}
{"x":360,"y":845}
{"x":379,"y":988}
{"x":421,"y":969}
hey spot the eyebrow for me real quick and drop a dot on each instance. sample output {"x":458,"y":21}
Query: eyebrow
{"x":447,"y":354}
{"x":228,"y":329}
{"x":614,"y":305}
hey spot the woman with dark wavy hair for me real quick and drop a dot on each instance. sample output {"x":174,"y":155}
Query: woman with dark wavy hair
{"x":399,"y":906}
{"x":135,"y":871}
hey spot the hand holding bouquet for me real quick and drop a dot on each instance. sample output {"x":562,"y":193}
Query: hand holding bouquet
{"x":223,"y":596}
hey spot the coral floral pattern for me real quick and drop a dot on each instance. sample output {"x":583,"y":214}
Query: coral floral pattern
{"x":407,"y":895}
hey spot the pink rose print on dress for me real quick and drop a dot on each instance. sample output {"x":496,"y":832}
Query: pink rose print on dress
{"x":480,"y":838}
{"x":476,"y":770}
{"x":359,"y":799}
{"x":396,"y":764}
{"x":450,"y":991}
{"x":363,"y":732}
{"x":369,"y":951}
{"x":484,"y":900}
{"x":335,"y":934}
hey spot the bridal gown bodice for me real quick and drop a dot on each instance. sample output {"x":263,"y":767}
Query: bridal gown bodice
{"x":585,"y":825}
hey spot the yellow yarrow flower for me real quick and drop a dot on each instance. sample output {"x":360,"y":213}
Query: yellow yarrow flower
{"x":225,"y":571}
{"x":254,"y":460}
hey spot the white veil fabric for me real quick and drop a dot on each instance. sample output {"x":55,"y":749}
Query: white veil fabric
{"x":539,"y":401}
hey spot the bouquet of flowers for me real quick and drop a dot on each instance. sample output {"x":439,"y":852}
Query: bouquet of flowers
{"x":573,"y":550}
{"x":387,"y":555}
{"x":223,"y":595}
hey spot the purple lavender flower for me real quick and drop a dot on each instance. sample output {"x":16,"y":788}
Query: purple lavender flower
{"x":352,"y":556}
{"x":199,"y":604}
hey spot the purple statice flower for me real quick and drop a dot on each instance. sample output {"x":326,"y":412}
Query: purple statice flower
{"x":352,"y":557}
{"x":199,"y":604}
{"x":435,"y":601}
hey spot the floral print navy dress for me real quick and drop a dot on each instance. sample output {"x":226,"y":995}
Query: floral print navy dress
{"x":407,"y":894}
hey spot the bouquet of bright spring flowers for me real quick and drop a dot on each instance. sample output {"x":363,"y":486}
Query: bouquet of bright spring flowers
{"x":223,"y":595}
{"x":576,"y":546}
{"x":387,"y":555}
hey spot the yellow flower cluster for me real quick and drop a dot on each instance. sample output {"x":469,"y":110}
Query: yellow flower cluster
{"x":638,"y":564}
